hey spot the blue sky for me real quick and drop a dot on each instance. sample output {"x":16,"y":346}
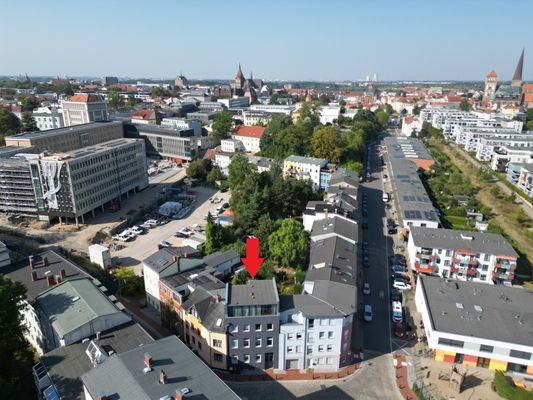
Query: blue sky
{"x":276,"y":39}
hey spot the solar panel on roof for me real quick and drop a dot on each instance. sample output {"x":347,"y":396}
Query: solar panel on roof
{"x":50,"y":393}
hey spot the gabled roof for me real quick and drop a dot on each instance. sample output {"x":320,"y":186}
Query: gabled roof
{"x":338,"y":295}
{"x":85,"y":98}
{"x":164,"y":258}
{"x":143,"y":114}
{"x":492,"y":74}
{"x":249,"y":131}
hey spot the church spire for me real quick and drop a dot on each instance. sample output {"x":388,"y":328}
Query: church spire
{"x":239,"y":74}
{"x":517,"y":77}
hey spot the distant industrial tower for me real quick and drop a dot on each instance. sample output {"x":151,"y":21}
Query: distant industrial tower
{"x":491,"y":84}
{"x":517,"y":77}
{"x":375,"y":77}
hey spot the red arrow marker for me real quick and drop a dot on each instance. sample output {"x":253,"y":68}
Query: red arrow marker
{"x":252,"y":262}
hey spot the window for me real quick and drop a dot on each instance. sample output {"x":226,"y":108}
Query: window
{"x":200,"y":345}
{"x":246,"y":328}
{"x":290,"y":336}
{"x":257,"y":342}
{"x":258,"y":358}
{"x":309,"y":349}
{"x":234,"y":344}
{"x":193,"y":339}
{"x":486,"y":349}
{"x":270,"y":341}
{"x":246,"y":343}
{"x":290,"y":349}
{"x":298,"y":349}
{"x":323,"y":322}
{"x":485,"y":267}
{"x":448,"y":253}
{"x":270,"y":327}
{"x":487,"y":257}
{"x":258,"y":327}
{"x":446,"y":263}
{"x":330,"y":347}
{"x":321,"y":335}
{"x":217,"y":357}
{"x":235,"y":329}
{"x":246,"y":358}
{"x":234,"y":359}
{"x":311,"y":322}
{"x":299,"y":335}
{"x":331,"y":334}
{"x":520,"y":354}
{"x":217,"y":343}
{"x":451,"y":342}
{"x":320,"y":347}
{"x":483,"y":277}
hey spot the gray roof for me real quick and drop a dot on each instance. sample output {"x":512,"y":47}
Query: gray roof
{"x":407,"y":147}
{"x":253,"y":293}
{"x":122,"y":376}
{"x":308,"y":305}
{"x":65,"y":365}
{"x":344,"y":178}
{"x":220,"y":257}
{"x":335,"y":224}
{"x":10,"y":151}
{"x":504,"y":313}
{"x":62,"y":131}
{"x":338,"y":295}
{"x":164,"y":258}
{"x":333,"y":259}
{"x":74,"y":303}
{"x":263,"y":162}
{"x":481,"y":242}
{"x":201,"y":275}
{"x":307,"y":160}
{"x":21,"y":272}
{"x":209,"y":310}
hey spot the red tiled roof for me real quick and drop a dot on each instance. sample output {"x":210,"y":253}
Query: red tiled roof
{"x":409,"y":120}
{"x":84,"y":98}
{"x":210,"y":154}
{"x":492,"y":74}
{"x":143,"y":114}
{"x":249,"y":131}
{"x":528,"y":98}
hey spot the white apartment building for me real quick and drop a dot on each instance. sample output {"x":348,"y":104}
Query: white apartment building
{"x":329,"y":114}
{"x":183,"y":123}
{"x":304,"y":168}
{"x":249,"y":136}
{"x":485,"y":147}
{"x":469,"y":136}
{"x":48,"y":118}
{"x":256,"y":117}
{"x":473,"y":256}
{"x":231,"y":145}
{"x":411,"y":125}
{"x":274,"y":109}
{"x":83,"y":108}
{"x":521,"y":175}
{"x":505,"y":155}
{"x":477,"y":325}
{"x":223,"y":160}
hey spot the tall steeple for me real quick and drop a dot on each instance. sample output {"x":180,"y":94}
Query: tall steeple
{"x":517,"y":77}
{"x":239,"y":78}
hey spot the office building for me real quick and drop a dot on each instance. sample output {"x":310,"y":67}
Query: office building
{"x":17,"y":193}
{"x":235,"y":102}
{"x":329,"y":114}
{"x":477,"y":325}
{"x":463,"y":255}
{"x":83,"y":108}
{"x":183,"y":123}
{"x":109,"y":80}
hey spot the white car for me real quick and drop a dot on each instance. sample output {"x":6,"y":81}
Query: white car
{"x":367,"y":314}
{"x":401,"y":285}
{"x":366,"y":288}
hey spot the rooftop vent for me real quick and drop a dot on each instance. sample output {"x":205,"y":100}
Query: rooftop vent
{"x":466,"y":237}
{"x":459,"y":306}
{"x":478,"y":308}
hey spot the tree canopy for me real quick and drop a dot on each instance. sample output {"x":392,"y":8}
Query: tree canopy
{"x":222,"y":125}
{"x":288,"y":244}
{"x":30,"y":103}
{"x":9,"y":124}
{"x":327,"y":143}
{"x":28,"y":123}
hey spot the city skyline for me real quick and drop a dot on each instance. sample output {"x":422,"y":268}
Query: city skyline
{"x":293,"y":42}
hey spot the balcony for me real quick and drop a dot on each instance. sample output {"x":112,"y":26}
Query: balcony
{"x":473,"y":262}
{"x":472,"y":272}
{"x":455,"y":260}
{"x":427,"y":268}
{"x":503,"y":275}
{"x":454,"y":270}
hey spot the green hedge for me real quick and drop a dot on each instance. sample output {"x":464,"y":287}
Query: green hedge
{"x":506,"y":389}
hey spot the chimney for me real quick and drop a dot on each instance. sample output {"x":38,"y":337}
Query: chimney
{"x":179,"y":396}
{"x":216,"y":298}
{"x":148,"y":360}
{"x":186,"y":255}
{"x":98,"y":335}
{"x":58,"y":278}
{"x":51,"y":279}
{"x":45,"y":260}
{"x":177,"y":261}
{"x":63,"y":274}
{"x":33,"y":276}
{"x":162,"y":377}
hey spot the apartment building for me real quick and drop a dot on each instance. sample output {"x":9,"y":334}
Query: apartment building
{"x":505,"y":155}
{"x":83,"y":108}
{"x":274,"y":109}
{"x":48,"y":118}
{"x":252,"y":324}
{"x":521,"y":175}
{"x":74,"y":183}
{"x":172,"y":371}
{"x":413,"y":205}
{"x":329,"y":114}
{"x":304,"y":168}
{"x":17,"y":192}
{"x":176,"y":145}
{"x":262,"y":164}
{"x":411,"y":125}
{"x":68,"y":138}
{"x":183,"y":124}
{"x":145,"y":116}
{"x":487,"y":145}
{"x":256,"y":117}
{"x":477,"y":325}
{"x":462,"y":255}
{"x":469,"y":136}
{"x":249,"y":136}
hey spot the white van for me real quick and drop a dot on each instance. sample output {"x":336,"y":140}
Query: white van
{"x":385,"y":197}
{"x":397,"y":313}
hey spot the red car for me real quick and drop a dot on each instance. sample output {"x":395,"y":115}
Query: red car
{"x":399,"y":330}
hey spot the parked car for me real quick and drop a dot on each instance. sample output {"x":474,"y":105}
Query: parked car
{"x":145,"y":227}
{"x":137,"y":230}
{"x":366,"y":288}
{"x":395,"y":295}
{"x":365,"y":224}
{"x":164,"y":243}
{"x":390,"y":223}
{"x":392,"y":231}
{"x":151,"y":222}
{"x":180,"y":235}
{"x":367,"y":313}
{"x":225,"y":205}
{"x":399,"y":329}
{"x":365,"y":212}
{"x":398,"y":268}
{"x":401,"y":285}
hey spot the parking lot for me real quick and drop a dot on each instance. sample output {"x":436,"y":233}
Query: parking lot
{"x":132,"y":253}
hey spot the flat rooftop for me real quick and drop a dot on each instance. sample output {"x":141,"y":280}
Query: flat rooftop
{"x":89,"y":151}
{"x":307,"y":160}
{"x":61,"y":131}
{"x":477,"y":242}
{"x":253,"y":293}
{"x":478,"y":310}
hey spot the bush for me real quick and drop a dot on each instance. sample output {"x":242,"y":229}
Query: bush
{"x":506,"y":389}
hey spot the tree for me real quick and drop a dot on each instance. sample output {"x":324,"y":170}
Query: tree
{"x":9,"y":123}
{"x":214,"y":175}
{"x":158,"y":91}
{"x":327,"y":143}
{"x":274,"y":99}
{"x":222,"y":125}
{"x":342,"y":103}
{"x":129,"y":283}
{"x":196,"y":170}
{"x":30,"y":103}
{"x":529,"y":126}
{"x":416,"y":109}
{"x":309,"y":117}
{"x":382,"y":118}
{"x":28,"y":123}
{"x":294,"y":139}
{"x":389,"y":110}
{"x":496,"y":191}
{"x":239,"y":168}
{"x":464,"y":105}
{"x":14,"y":350}
{"x":288,"y":244}
{"x":114,"y":99}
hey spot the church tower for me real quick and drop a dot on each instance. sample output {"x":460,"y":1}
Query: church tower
{"x":517,"y":77}
{"x":239,"y":79}
{"x":491,"y":82}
